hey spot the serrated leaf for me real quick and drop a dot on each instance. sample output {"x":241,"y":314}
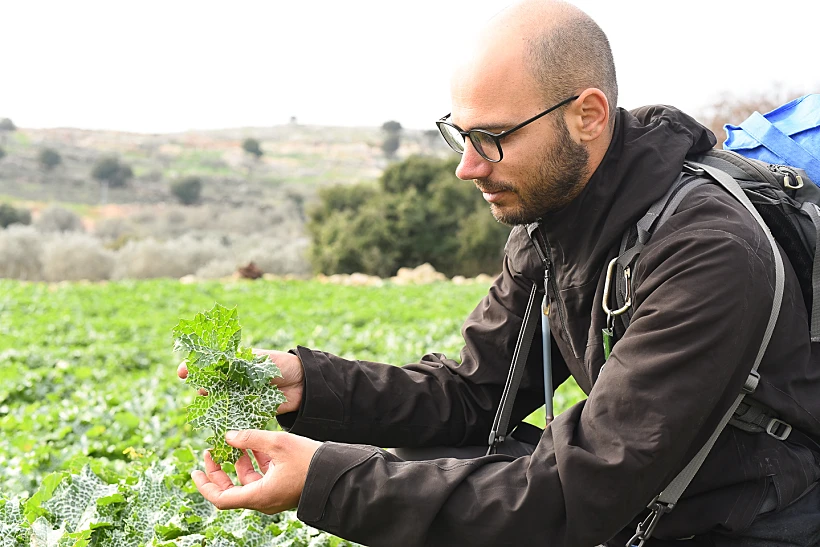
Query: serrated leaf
{"x":33,"y":506}
{"x":240,"y":395}
{"x":74,"y":501}
{"x":14,"y":531}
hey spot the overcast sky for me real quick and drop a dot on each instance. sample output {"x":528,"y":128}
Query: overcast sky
{"x":171,"y":65}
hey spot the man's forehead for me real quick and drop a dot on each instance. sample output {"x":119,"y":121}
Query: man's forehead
{"x":492,"y":93}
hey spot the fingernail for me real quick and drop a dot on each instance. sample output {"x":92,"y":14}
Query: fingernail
{"x":230,"y":435}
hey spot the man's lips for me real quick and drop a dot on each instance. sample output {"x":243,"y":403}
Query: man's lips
{"x":492,"y":193}
{"x":492,"y":197}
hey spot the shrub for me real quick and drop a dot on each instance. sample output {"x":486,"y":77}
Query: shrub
{"x":252,"y":147}
{"x":187,"y":190}
{"x":2,"y":153}
{"x":57,"y":219}
{"x":48,"y":158}
{"x":148,"y":259}
{"x":20,"y":253}
{"x":75,"y":256}
{"x":109,"y":170}
{"x":273,"y":255}
{"x":420,"y":214}
{"x":7,"y":125}
{"x":11,"y":215}
{"x":112,"y":229}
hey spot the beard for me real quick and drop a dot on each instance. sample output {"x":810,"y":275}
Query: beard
{"x":557,"y":181}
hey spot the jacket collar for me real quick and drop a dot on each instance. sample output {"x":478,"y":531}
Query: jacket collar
{"x":645,"y":157}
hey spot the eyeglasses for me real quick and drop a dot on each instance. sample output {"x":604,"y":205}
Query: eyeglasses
{"x":486,"y":143}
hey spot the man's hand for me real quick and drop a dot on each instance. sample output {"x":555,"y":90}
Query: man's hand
{"x":292,"y":382}
{"x":283,"y":458}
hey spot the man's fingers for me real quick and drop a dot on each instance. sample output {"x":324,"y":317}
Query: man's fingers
{"x":235,"y":497}
{"x":262,"y":460}
{"x":215,"y":473}
{"x":253,"y":439}
{"x":245,"y":471}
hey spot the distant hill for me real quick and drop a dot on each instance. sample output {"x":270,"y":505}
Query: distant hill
{"x":297,"y":159}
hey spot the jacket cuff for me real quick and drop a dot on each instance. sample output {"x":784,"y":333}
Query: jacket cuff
{"x":287,"y":420}
{"x":321,"y":409}
{"x":329,"y":463}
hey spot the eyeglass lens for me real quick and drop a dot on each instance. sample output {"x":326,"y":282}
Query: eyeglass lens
{"x":482,"y":142}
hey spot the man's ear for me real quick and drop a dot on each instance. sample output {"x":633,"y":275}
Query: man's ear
{"x":589,"y":115}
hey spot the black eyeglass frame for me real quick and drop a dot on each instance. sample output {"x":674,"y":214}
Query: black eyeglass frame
{"x":496,"y":137}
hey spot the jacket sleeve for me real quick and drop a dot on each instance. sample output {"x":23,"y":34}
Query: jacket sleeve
{"x":703,"y":303}
{"x":437,"y":401}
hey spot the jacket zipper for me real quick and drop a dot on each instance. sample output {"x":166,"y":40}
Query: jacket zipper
{"x":549,"y":282}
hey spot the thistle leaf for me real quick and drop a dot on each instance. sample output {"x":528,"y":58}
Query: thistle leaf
{"x":240,"y":395}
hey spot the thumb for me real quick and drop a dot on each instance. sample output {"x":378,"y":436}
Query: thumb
{"x":253,"y":439}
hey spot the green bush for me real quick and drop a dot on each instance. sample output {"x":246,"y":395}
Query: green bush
{"x":252,"y":147}
{"x":110,"y":170}
{"x":48,"y":158}
{"x":187,"y":190}
{"x":420,"y":212}
{"x":11,"y":215}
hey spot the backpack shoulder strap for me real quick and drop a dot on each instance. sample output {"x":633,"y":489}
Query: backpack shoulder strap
{"x":501,"y":423}
{"x":666,"y":500}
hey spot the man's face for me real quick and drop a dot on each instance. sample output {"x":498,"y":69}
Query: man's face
{"x":543,"y":167}
{"x":544,"y":182}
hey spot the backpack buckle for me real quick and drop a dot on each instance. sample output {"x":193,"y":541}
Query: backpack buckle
{"x":644,"y":531}
{"x":750,"y":385}
{"x":692,"y":170}
{"x":778,"y":429}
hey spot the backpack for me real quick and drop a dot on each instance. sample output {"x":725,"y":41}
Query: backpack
{"x":786,"y":204}
{"x":765,"y":178}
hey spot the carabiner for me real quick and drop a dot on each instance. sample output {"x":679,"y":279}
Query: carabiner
{"x":605,"y":300}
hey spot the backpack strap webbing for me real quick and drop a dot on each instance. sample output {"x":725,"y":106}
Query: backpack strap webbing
{"x":498,"y":432}
{"x":813,"y":212}
{"x":668,"y":498}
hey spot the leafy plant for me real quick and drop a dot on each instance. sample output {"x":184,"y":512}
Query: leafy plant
{"x":187,"y":190}
{"x":252,"y":147}
{"x":48,"y":158}
{"x":237,"y":383}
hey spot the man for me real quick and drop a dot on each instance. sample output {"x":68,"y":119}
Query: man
{"x":577,"y":176}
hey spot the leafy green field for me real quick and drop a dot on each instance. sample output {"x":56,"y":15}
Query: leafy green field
{"x":94,"y":445}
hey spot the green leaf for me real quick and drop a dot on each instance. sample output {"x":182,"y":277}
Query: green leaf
{"x":33,"y":506}
{"x":240,"y":395}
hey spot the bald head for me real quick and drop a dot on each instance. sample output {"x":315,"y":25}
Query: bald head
{"x":561,"y":48}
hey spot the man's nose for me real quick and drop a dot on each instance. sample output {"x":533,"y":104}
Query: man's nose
{"x":472,"y":165}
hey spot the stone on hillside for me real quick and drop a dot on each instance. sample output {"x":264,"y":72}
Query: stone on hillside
{"x":417,"y":276}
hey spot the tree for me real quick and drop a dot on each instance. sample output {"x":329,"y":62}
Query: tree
{"x":420,"y":212}
{"x":390,"y":145}
{"x":392,"y":127}
{"x":108,"y":171}
{"x":11,"y":215}
{"x":252,"y":147}
{"x":187,"y":190}
{"x":6,"y":126}
{"x":392,"y":138}
{"x":48,"y":158}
